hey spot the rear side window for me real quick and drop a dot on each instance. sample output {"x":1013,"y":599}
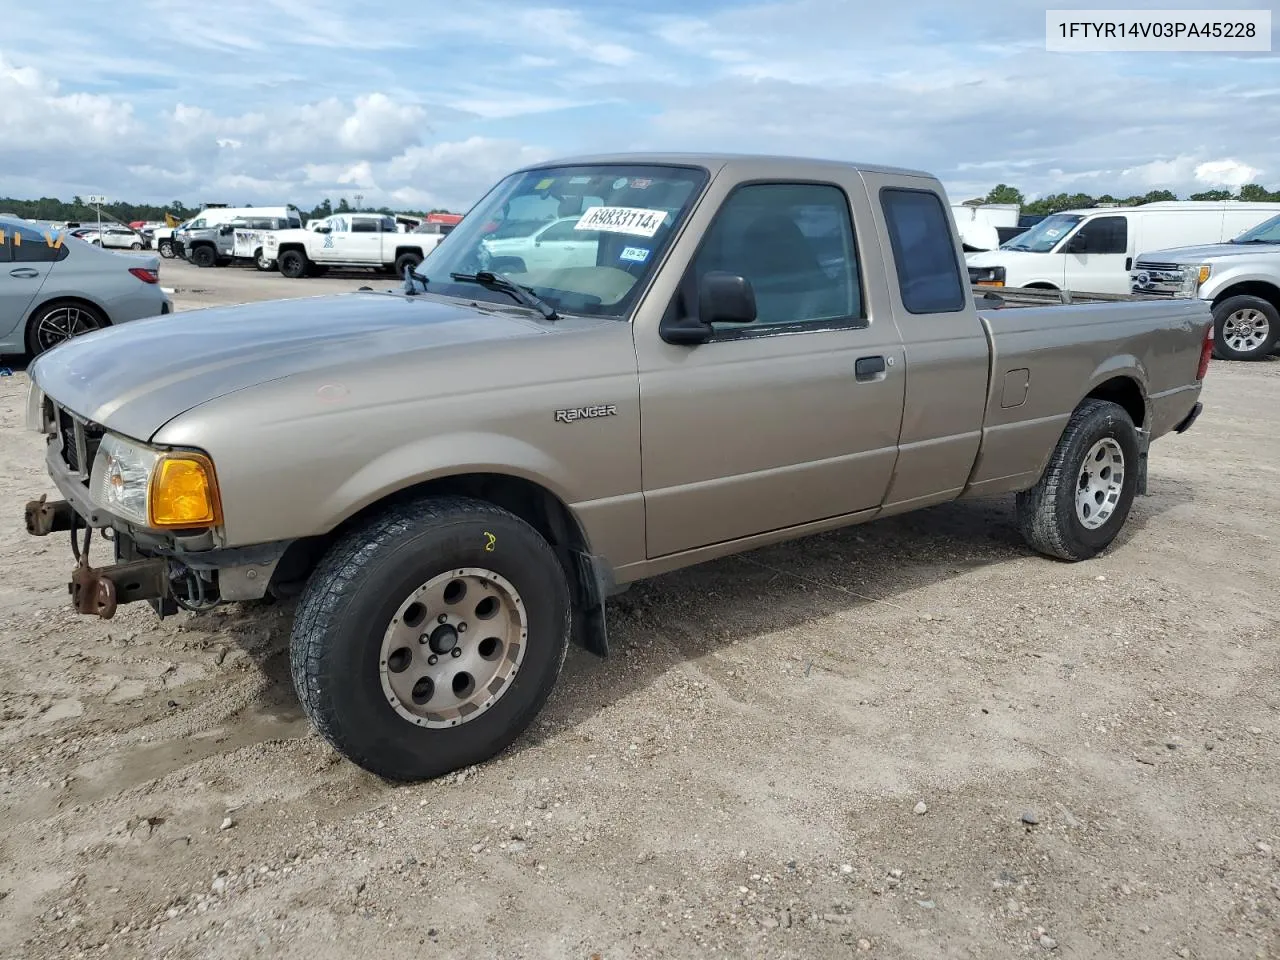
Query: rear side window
{"x":359,"y":225}
{"x":26,"y":245}
{"x":1102,"y":235}
{"x":923,"y":251}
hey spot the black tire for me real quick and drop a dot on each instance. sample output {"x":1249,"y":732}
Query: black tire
{"x":74,"y":316}
{"x":293,"y":264}
{"x":358,"y":587}
{"x":1260,"y":314}
{"x":1047,"y":514}
{"x":204,"y":257}
{"x":166,"y":249}
{"x":406,"y":259}
{"x":135,"y":245}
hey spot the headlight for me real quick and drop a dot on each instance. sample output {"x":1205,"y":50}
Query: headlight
{"x":35,"y":408}
{"x":1193,"y":276}
{"x":153,"y":488}
{"x":987,"y":276}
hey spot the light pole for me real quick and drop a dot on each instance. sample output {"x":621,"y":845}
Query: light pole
{"x":359,"y":198}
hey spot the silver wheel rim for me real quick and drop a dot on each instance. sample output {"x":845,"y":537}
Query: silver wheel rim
{"x":263,"y":262}
{"x":1100,"y":483}
{"x":1246,"y":330}
{"x":453,"y":648}
{"x":62,"y":324}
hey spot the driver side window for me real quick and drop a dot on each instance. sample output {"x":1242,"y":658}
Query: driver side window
{"x":1104,"y":235}
{"x":794,"y":243}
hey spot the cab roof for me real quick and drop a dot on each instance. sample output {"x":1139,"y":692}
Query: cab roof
{"x":714,"y":162}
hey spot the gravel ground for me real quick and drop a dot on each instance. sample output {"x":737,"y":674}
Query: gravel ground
{"x":912,"y":739}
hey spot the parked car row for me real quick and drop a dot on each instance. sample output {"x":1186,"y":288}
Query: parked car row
{"x":1225,"y":252}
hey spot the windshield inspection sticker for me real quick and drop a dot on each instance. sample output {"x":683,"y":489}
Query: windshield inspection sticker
{"x":634,"y":254}
{"x":630,"y":220}
{"x":641,"y":183}
{"x":577,"y":180}
{"x":543,"y":184}
{"x":619,"y":183}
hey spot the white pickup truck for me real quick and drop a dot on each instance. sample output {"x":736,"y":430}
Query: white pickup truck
{"x":348,"y":240}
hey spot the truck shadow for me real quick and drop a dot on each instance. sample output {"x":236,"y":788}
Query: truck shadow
{"x":688,"y":615}
{"x":786,"y":588}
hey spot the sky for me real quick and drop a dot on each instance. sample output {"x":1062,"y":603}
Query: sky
{"x":428,"y":104}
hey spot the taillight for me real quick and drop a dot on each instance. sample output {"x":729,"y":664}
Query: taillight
{"x":1206,"y":351}
{"x":145,"y":274}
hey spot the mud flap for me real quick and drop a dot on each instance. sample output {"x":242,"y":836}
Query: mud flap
{"x":591,"y":584}
{"x":1144,"y":446}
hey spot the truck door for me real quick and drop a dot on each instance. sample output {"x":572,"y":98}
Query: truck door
{"x":365,"y":240}
{"x":947,"y":355}
{"x":790,"y":419}
{"x":1098,"y":256}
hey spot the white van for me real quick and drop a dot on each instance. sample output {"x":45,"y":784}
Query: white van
{"x":1092,"y":251}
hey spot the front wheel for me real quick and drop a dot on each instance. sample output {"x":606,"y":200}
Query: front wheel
{"x":166,"y":249}
{"x":429,"y":638}
{"x":204,"y":257}
{"x":262,"y":261}
{"x":1245,"y":328}
{"x":1082,"y":501}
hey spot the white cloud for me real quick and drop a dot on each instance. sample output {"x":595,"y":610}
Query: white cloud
{"x":1226,"y":173}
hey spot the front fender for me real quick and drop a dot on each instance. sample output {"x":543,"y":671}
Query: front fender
{"x":446,"y":455}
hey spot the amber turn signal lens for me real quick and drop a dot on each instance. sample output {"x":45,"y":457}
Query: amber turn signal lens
{"x":184,"y":493}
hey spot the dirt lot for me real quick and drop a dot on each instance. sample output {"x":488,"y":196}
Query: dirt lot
{"x":1095,"y":745}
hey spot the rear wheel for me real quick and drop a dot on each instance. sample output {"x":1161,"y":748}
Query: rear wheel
{"x":56,"y":323}
{"x":1245,"y":328}
{"x":135,"y":245}
{"x":204,"y":257}
{"x":293,"y":264}
{"x":261,"y":261}
{"x":1082,"y":501}
{"x":429,"y":638}
{"x":407,"y":259}
{"x":166,"y":249}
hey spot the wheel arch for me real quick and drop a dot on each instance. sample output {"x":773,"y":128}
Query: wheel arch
{"x":590,"y":576}
{"x":1262,"y":289}
{"x":1125,"y":390}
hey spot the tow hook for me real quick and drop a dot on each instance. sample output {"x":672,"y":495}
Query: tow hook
{"x":91,"y":592}
{"x":44,"y":518}
{"x":100,"y":591}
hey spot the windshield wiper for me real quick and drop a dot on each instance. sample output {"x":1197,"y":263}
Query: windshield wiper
{"x":499,"y":281}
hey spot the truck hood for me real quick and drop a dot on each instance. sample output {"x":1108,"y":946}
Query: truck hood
{"x":136,"y":377}
{"x":1210,"y":251}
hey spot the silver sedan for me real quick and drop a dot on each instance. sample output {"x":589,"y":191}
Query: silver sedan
{"x":52,"y":289}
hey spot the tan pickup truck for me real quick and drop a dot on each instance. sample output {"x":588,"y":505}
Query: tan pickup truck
{"x":707,"y":354}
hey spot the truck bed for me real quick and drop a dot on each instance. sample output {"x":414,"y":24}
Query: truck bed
{"x":997,"y":298}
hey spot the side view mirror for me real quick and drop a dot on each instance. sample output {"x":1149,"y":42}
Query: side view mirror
{"x":722,"y":298}
{"x":1078,"y":244}
{"x":227,"y":230}
{"x":726,"y":298}
{"x":324,"y":229}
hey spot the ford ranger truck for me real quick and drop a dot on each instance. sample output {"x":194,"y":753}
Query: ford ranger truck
{"x":1240,"y":279}
{"x":453,"y":475}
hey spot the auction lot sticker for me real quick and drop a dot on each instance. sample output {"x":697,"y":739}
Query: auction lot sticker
{"x":634,"y":221}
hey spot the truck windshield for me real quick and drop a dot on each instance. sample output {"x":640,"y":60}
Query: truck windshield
{"x":1045,"y":235}
{"x":1268,"y":231}
{"x":582,"y":238}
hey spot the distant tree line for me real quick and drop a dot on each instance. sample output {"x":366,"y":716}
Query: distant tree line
{"x":1003,"y":193}
{"x":51,"y":208}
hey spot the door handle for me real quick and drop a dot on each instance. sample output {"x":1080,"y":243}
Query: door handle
{"x":24,"y":273}
{"x":868,"y":368}
{"x":1128,"y":263}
